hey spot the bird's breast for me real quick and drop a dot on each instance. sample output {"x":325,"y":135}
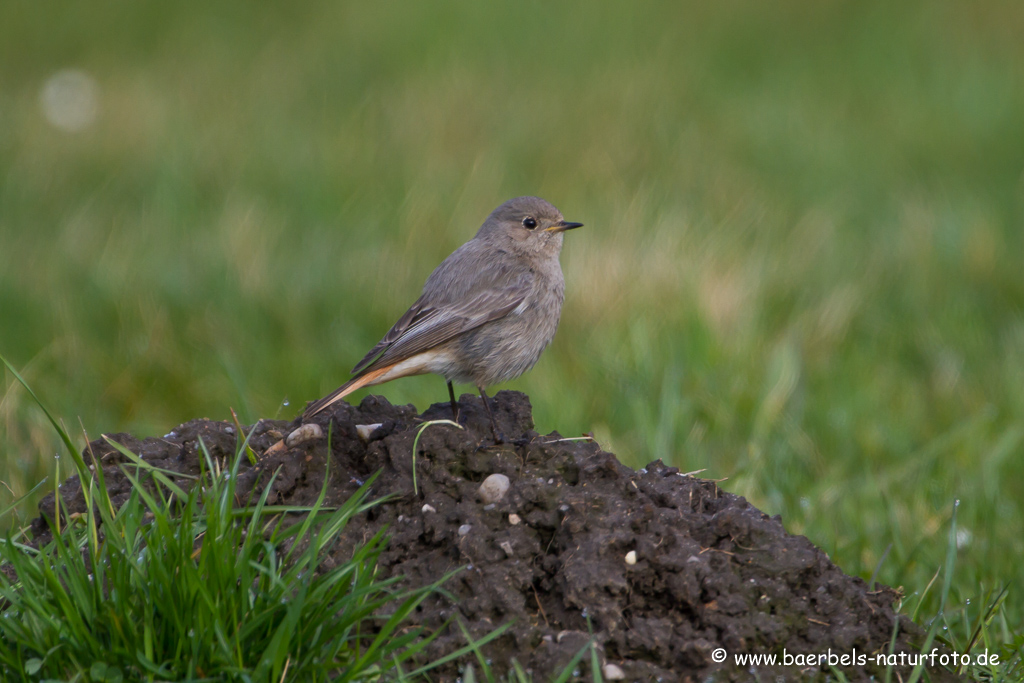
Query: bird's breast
{"x":505,"y":348}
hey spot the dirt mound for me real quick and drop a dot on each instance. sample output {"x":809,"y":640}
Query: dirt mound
{"x":662,"y":568}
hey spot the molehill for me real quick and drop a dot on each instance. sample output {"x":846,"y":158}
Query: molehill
{"x":660,"y":568}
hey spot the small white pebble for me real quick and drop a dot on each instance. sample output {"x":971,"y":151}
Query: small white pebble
{"x":494,"y":488}
{"x":514,"y":519}
{"x":401,"y":518}
{"x":631,"y":557}
{"x":507,"y":547}
{"x":613,"y":672}
{"x":364,"y":431}
{"x":427,"y":507}
{"x":229,"y":430}
{"x":465,"y":529}
{"x":306,"y":432}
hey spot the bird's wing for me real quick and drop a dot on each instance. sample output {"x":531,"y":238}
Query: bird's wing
{"x":423,"y":327}
{"x":418,"y":313}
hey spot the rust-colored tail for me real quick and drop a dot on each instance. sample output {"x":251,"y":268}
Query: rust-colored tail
{"x":343,"y":391}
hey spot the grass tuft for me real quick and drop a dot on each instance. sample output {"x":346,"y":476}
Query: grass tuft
{"x":181,"y":585}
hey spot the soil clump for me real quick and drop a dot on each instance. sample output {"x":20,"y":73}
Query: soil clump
{"x":662,"y":569}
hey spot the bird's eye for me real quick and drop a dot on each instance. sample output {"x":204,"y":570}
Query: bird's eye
{"x":529,"y":223}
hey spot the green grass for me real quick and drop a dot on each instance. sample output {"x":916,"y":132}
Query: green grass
{"x":177,"y":585}
{"x":799,"y":271}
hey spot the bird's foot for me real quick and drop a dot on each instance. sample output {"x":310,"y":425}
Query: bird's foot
{"x":454,"y":403}
{"x":497,"y":441}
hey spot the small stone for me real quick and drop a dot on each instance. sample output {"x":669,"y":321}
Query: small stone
{"x":279,"y":447}
{"x":275,"y":434}
{"x":364,"y":431}
{"x":427,"y":507}
{"x":507,"y":547}
{"x":613,"y":672}
{"x":465,"y":529}
{"x":494,"y":488}
{"x":514,"y":519}
{"x":306,"y":432}
{"x":631,"y":557}
{"x":229,"y":430}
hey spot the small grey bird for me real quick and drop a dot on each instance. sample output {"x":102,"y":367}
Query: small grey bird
{"x":486,"y":313}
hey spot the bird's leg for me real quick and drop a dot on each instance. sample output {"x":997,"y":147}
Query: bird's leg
{"x":455,"y":405}
{"x":498,"y":436}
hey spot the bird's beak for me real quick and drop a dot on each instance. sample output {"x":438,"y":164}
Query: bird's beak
{"x":562,"y":226}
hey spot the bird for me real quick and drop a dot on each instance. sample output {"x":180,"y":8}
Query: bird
{"x":485,"y":314}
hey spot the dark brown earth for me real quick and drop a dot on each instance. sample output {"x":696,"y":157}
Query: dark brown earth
{"x":711,"y":570}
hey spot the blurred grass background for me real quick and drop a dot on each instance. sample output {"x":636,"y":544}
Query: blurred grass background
{"x":800,"y":271}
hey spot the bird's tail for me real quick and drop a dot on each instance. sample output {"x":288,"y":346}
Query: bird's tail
{"x":343,"y":391}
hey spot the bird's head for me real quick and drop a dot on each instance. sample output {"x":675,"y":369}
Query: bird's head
{"x":527,"y":225}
